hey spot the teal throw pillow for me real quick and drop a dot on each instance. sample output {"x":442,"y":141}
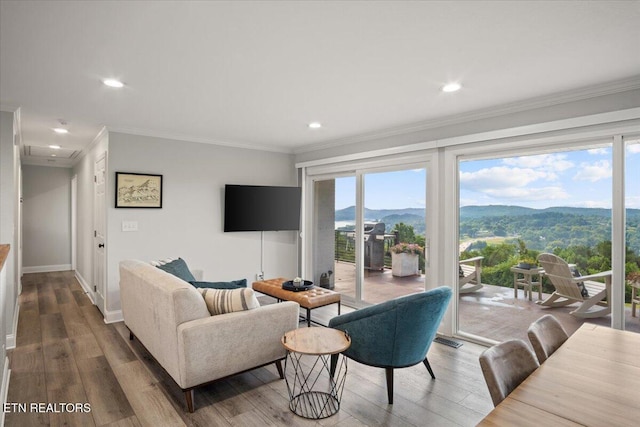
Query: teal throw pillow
{"x":178,"y":268}
{"x":234,"y":284}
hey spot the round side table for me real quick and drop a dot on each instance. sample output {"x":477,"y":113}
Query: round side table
{"x":315,"y":371}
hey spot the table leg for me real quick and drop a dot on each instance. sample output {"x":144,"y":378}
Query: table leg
{"x":515,"y":285}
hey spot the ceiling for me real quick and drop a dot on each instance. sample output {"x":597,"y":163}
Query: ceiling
{"x":254,"y":74}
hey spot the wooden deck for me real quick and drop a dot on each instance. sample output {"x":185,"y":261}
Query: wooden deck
{"x":491,"y":312}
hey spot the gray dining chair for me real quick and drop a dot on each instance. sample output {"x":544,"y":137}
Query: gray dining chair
{"x":505,"y":366}
{"x":546,"y":335}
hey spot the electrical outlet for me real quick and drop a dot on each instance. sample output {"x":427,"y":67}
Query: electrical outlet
{"x":260,"y":275}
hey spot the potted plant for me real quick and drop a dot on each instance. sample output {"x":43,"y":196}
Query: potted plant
{"x":405,"y":259}
{"x":527,"y":263}
{"x":526,"y":260}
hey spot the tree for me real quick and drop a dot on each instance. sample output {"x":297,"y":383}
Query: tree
{"x":406,"y":233}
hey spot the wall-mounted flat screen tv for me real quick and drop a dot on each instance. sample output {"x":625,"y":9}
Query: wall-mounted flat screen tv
{"x":261,"y":208}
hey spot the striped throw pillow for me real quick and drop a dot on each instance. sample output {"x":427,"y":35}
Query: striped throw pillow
{"x":220,"y":301}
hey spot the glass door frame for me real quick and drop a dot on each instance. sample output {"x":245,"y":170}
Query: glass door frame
{"x":531,"y":146}
{"x":359,"y":169}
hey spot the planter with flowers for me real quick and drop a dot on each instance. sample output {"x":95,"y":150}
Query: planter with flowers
{"x":404,"y":259}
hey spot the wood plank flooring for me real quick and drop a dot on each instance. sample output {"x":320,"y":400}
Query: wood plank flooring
{"x":66,"y":353}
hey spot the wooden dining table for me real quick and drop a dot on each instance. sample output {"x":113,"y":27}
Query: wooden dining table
{"x":593,"y":379}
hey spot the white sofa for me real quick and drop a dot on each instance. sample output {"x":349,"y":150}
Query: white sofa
{"x":170,"y":318}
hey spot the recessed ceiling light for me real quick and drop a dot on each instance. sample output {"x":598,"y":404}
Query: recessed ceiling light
{"x":53,"y":155}
{"x":55,"y":147}
{"x":315,"y":125}
{"x":60,"y":130}
{"x":113,"y":83}
{"x":451,"y":87}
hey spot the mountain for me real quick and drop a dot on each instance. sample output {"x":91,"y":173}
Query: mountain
{"x":472,"y":212}
{"x":349,"y":214}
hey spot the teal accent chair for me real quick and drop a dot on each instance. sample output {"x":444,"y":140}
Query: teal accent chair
{"x":395,"y":333}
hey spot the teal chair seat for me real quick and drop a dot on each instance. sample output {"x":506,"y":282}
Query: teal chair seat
{"x":395,"y":333}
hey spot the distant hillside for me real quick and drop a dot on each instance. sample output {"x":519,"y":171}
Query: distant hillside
{"x":541,"y":229}
{"x":471,"y":212}
{"x":349,"y":214}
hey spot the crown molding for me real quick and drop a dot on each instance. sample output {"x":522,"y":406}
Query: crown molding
{"x":9,"y":108}
{"x":594,"y":91}
{"x":191,"y":138}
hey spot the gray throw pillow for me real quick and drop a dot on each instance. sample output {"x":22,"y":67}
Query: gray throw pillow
{"x":178,"y":267}
{"x":234,"y":284}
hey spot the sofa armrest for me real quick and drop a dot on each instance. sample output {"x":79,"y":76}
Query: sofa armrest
{"x":222,"y":345}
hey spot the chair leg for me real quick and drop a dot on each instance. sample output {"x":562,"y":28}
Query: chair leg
{"x":188,"y":394}
{"x":426,"y":363}
{"x":279,"y":368}
{"x":585,"y":308}
{"x":389,"y":372}
{"x":556,"y":300}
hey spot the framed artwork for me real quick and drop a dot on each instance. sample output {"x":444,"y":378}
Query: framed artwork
{"x":137,"y":190}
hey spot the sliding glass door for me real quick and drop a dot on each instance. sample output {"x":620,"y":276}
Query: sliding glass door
{"x":512,"y":209}
{"x":334,"y":226}
{"x":632,"y":231}
{"x":359,"y":220}
{"x":394,"y":233}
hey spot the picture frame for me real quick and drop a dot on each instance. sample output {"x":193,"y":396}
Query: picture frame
{"x":138,"y":190}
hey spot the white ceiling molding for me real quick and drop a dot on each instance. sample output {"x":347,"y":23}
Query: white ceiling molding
{"x":557,"y":125}
{"x":515,"y":107}
{"x":191,"y":138}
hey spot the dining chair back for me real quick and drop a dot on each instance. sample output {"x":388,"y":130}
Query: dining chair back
{"x":546,"y":335}
{"x":505,"y":366}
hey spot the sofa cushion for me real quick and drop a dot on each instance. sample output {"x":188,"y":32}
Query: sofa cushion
{"x":234,"y":284}
{"x":177,"y":267}
{"x":220,"y":301}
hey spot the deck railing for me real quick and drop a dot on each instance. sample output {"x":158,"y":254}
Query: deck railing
{"x":345,"y":246}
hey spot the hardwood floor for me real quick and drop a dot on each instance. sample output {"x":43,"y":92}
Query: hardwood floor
{"x":65,"y":353}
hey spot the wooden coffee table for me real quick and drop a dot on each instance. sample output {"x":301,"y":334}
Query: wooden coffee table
{"x":313,"y":298}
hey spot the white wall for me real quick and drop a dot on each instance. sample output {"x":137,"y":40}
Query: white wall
{"x":46,"y":218}
{"x":190,"y":223}
{"x":9,"y":170}
{"x":84,"y":170}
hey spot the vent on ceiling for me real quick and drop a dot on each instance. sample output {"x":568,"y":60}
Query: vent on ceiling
{"x":61,"y":153}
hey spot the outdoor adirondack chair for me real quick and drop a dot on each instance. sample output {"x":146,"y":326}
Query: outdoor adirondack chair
{"x":470,"y":275}
{"x":569,"y":289}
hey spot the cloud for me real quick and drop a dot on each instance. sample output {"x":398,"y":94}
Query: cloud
{"x":549,"y":163}
{"x":633,"y":148}
{"x":499,"y":177}
{"x":594,"y":204}
{"x":633,"y":202}
{"x":598,"y":151}
{"x":529,"y":194}
{"x":593,"y":172}
{"x":501,"y":183}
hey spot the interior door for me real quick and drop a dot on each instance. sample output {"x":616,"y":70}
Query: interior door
{"x":99,"y":220}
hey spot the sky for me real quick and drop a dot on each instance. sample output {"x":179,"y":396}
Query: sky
{"x":572,"y":178}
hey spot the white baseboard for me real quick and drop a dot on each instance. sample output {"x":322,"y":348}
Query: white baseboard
{"x":11,"y":338}
{"x":46,"y":268}
{"x":113,"y":316}
{"x":6,"y":375}
{"x":85,"y":286}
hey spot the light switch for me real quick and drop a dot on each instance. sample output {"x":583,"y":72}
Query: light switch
{"x":129,"y":225}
